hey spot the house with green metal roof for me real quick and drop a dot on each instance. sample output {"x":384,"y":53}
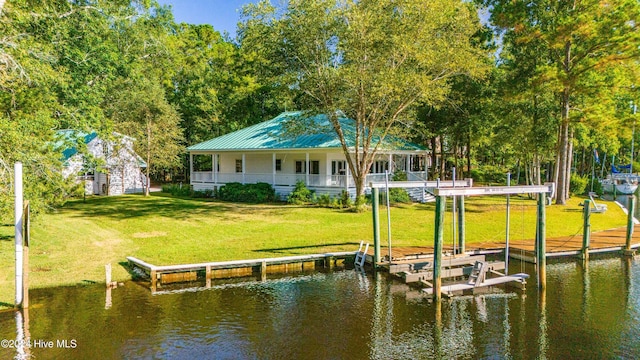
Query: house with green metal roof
{"x":296,"y":147}
{"x":105,"y":166}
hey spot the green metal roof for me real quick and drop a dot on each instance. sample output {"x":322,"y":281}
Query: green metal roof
{"x":294,"y":130}
{"x":65,"y":138}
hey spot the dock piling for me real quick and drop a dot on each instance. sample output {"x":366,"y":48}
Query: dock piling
{"x":376,"y":226}
{"x":541,"y":242}
{"x":632,"y":209}
{"x":586,"y":230}
{"x":437,"y":246}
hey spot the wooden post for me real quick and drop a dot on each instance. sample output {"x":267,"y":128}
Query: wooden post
{"x":437,"y":246}
{"x":154,"y":280}
{"x":586,"y":230}
{"x":25,"y":255}
{"x":632,"y":209}
{"x":207,"y":275}
{"x":541,"y":243}
{"x":263,"y":271}
{"x":107,"y":270}
{"x":461,"y":227}
{"x":376,"y":226}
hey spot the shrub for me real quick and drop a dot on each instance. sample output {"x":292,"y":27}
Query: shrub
{"x":597,"y":187}
{"x":177,"y":190}
{"x":300,"y":195}
{"x":489,"y":174}
{"x":398,"y":195}
{"x":323,"y":200}
{"x":345,"y":199}
{"x":249,"y":193}
{"x":578,"y":184}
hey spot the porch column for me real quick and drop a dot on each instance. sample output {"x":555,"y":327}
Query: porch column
{"x":213,"y":168}
{"x":214,"y":163}
{"x":273,"y":163}
{"x":407,"y":166}
{"x":190,"y":168}
{"x":307,"y":168}
{"x":346,"y":175}
{"x":390,"y":162}
{"x":244,"y":167}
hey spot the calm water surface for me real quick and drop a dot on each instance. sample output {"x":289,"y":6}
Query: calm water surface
{"x":589,"y":313}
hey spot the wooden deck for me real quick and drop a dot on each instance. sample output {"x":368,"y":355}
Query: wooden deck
{"x":613,"y":240}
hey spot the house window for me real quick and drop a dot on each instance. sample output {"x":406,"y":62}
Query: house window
{"x":278,"y":164}
{"x":238,"y":165}
{"x":314,"y":167}
{"x":338,"y":167}
{"x":417,"y":163}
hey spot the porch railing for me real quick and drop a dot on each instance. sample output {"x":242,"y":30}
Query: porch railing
{"x":314,"y":180}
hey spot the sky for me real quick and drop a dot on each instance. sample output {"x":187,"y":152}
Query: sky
{"x":223,"y":15}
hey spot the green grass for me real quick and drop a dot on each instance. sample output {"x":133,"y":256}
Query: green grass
{"x":72,"y":245}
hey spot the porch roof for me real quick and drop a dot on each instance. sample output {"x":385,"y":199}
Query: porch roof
{"x":295,"y":130}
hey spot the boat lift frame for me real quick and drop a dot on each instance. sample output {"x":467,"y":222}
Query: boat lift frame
{"x":442,"y":193}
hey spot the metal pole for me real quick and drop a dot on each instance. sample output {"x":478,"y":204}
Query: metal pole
{"x":386,"y":182}
{"x":506,"y":249}
{"x":18,"y":231}
{"x":376,"y":226}
{"x":437,"y":246}
{"x":586,"y":230}
{"x":461,"y":232}
{"x":453,"y":211}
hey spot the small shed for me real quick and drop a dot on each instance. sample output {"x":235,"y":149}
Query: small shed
{"x":106,"y":166}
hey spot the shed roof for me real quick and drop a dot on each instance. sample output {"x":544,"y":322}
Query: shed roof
{"x":66,"y":137}
{"x":295,"y":130}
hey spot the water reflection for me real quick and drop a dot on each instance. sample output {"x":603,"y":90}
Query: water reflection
{"x":586,"y":312}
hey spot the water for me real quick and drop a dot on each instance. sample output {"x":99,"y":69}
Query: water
{"x":584,"y":313}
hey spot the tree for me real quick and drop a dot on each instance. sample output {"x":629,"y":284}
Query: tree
{"x":142,"y":112}
{"x":372,"y":60}
{"x":580,"y":38}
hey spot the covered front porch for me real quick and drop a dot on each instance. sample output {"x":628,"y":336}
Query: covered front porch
{"x":321,"y":171}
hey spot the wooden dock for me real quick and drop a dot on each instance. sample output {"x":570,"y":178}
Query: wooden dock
{"x":238,"y":268}
{"x":607,"y":241}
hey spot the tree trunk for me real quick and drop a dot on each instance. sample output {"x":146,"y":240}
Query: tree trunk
{"x":434,"y":158}
{"x":567,"y":184}
{"x":148,"y":185}
{"x":468,"y":154}
{"x":442,"y":158}
{"x":563,"y":151}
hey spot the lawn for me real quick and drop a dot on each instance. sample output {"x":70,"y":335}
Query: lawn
{"x":72,"y":245}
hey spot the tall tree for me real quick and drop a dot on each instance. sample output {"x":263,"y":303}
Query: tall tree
{"x":372,"y":60}
{"x":580,"y":39}
{"x":142,"y":112}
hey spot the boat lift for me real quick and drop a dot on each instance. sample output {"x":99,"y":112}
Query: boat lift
{"x":478,"y":276}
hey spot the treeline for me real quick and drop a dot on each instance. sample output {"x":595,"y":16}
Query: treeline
{"x":533,"y":88}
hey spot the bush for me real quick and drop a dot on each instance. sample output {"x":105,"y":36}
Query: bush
{"x":489,"y":174}
{"x":398,"y":195}
{"x":597,"y":187}
{"x":300,"y":195}
{"x":206,"y":194}
{"x":578,"y":184}
{"x":249,"y":193}
{"x":177,"y":190}
{"x":323,"y":200}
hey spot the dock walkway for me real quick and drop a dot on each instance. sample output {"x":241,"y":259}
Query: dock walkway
{"x":606,"y":241}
